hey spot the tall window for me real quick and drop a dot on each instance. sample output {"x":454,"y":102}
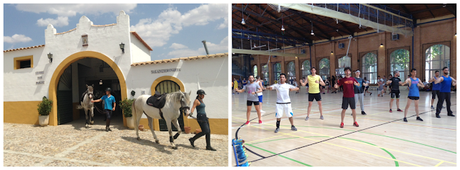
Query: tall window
{"x":343,"y":62}
{"x":306,"y":68}
{"x":324,"y":68}
{"x":437,"y":57}
{"x":291,"y":71}
{"x":266,"y":78}
{"x":255,"y":71}
{"x":369,"y":69}
{"x":399,"y":60}
{"x":277,"y":71}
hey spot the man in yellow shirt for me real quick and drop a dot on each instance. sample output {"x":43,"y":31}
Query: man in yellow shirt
{"x":235,"y":85}
{"x":313,"y":82}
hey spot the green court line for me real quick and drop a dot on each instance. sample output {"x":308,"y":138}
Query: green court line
{"x":273,"y":140}
{"x":396,"y":162}
{"x":279,"y":155}
{"x":381,"y":136}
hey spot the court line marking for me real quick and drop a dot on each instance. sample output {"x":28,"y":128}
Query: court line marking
{"x":321,"y":141}
{"x":279,"y":155}
{"x":439,"y":164}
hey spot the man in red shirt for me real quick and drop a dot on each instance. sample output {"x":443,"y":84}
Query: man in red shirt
{"x":348,"y":94}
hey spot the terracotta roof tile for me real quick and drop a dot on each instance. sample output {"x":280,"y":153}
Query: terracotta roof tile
{"x":172,"y":60}
{"x":140,"y":39}
{"x":23,"y":48}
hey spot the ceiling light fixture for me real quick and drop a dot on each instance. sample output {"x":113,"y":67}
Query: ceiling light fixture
{"x":242,"y":17}
{"x":312,"y":33}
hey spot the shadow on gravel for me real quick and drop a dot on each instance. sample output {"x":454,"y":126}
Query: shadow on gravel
{"x":146,"y":142}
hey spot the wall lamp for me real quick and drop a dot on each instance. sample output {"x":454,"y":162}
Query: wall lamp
{"x":50,"y":56}
{"x":381,"y":45}
{"x":122,"y":47}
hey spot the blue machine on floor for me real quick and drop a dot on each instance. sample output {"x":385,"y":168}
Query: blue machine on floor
{"x":240,"y":153}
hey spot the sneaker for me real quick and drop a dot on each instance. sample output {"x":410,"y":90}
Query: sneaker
{"x":247,"y":123}
{"x":451,"y":115}
{"x":341,"y":125}
{"x":378,"y":95}
{"x":356,"y":124}
{"x":324,"y":93}
{"x":432,"y":108}
{"x":399,"y":110}
{"x":293,"y":128}
{"x":391,"y":111}
{"x":277,"y":129}
{"x":321,"y":117}
{"x":262,"y":111}
{"x":363,"y":113}
{"x":306,"y":118}
{"x":405,"y":119}
{"x":370,"y":94}
{"x":418,"y":118}
{"x":260,"y":122}
{"x":437,"y":116}
{"x":192,"y":142}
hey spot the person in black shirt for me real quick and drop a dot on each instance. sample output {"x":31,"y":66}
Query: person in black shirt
{"x":394,"y":83}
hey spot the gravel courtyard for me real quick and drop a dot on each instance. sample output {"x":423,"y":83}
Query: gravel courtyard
{"x":73,"y":145}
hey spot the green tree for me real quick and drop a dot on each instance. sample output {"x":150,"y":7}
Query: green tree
{"x":400,"y":58}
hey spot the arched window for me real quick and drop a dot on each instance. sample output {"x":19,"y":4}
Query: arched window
{"x":255,"y":71}
{"x":369,"y":69}
{"x":437,"y":57}
{"x":399,"y":60}
{"x":265,"y":73}
{"x":324,"y":68}
{"x":167,"y":86}
{"x":291,"y":71}
{"x":343,"y":62}
{"x":306,"y":68}
{"x":277,"y":71}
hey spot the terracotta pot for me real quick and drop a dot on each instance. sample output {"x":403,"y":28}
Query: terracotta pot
{"x":130,"y":122}
{"x":187,"y":129}
{"x":43,"y":120}
{"x":141,"y":127}
{"x":197,"y":130}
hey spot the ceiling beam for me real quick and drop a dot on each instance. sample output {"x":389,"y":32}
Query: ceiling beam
{"x":451,"y":10}
{"x":257,"y":52}
{"x":349,"y":18}
{"x":405,"y":9}
{"x":430,"y":11}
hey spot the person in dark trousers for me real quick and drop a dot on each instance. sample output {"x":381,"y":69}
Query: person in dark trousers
{"x":109,"y":106}
{"x":435,"y":88}
{"x":444,"y":94}
{"x":394,"y":83}
{"x":202,"y":120}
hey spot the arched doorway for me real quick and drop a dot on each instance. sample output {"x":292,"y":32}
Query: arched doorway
{"x":60,"y":69}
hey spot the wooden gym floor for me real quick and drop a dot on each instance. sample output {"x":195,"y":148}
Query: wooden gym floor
{"x":382,"y":139}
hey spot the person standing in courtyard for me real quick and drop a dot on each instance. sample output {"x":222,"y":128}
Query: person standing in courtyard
{"x":414,"y":94}
{"x":348,"y":98}
{"x":252,"y":89}
{"x":283,"y":101}
{"x":109,"y":106}
{"x":202,"y":120}
{"x":444,"y":94}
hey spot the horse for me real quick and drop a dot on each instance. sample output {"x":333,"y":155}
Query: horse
{"x":87,"y":106}
{"x":175,"y":102}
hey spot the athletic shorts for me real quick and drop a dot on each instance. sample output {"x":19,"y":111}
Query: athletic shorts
{"x":367,"y":87}
{"x":260,"y":99}
{"x":348,"y":101}
{"x":283,"y":109}
{"x":395,"y":93}
{"x":314,"y":96}
{"x":413,"y":97}
{"x":434,"y":93}
{"x":249,"y":103}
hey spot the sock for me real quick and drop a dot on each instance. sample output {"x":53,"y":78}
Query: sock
{"x":278,"y":124}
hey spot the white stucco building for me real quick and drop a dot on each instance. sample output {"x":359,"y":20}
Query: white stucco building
{"x":91,"y":54}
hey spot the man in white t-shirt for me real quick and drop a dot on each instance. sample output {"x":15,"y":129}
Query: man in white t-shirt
{"x":283,"y":101}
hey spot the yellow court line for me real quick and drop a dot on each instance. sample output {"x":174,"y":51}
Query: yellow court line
{"x":439,"y":163}
{"x":352,"y":149}
{"x":387,"y":148}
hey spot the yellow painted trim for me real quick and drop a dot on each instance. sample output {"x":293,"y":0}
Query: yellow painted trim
{"x":218,"y":126}
{"x":24,"y":112}
{"x":156,"y":122}
{"x":17,"y":61}
{"x":71,"y":59}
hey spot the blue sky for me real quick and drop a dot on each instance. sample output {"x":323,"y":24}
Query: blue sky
{"x":171,"y":30}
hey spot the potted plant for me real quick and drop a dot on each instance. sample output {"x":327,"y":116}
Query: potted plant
{"x":44,"y":109}
{"x":126,"y":107}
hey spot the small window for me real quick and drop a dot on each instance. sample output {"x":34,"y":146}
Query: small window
{"x":23,"y":62}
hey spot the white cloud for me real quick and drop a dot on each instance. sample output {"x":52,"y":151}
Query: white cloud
{"x":16,"y":38}
{"x":60,"y":21}
{"x":64,"y":11}
{"x":157,"y":32}
{"x":184,"y":51}
{"x":177,"y":46}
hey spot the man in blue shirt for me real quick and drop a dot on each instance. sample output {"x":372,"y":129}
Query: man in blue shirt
{"x":444,"y":93}
{"x":109,"y":106}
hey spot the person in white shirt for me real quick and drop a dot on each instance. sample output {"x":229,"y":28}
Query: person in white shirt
{"x":283,"y":101}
